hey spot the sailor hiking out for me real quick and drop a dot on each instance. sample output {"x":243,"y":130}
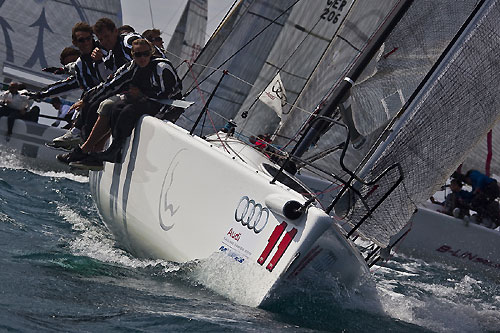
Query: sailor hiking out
{"x":83,"y":71}
{"x":113,"y":52}
{"x":148,"y":79}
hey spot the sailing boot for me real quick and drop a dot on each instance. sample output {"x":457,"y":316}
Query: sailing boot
{"x":90,"y":162}
{"x":113,"y":154}
{"x":75,"y":155}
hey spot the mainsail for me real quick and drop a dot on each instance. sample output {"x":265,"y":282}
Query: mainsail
{"x":35,"y":33}
{"x":455,"y":108}
{"x":189,"y":35}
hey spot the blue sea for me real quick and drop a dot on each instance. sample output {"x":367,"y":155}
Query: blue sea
{"x":60,"y":270}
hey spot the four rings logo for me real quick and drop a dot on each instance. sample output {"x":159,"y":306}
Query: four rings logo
{"x":251,"y":214}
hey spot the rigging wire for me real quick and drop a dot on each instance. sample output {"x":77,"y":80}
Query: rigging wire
{"x":247,"y":43}
{"x":221,"y":22}
{"x":280,"y":69}
{"x":151,"y":13}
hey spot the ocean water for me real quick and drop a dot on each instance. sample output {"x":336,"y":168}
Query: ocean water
{"x":60,"y":270}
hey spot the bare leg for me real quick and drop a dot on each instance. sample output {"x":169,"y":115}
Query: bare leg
{"x":99,"y":146}
{"x":100,"y":130}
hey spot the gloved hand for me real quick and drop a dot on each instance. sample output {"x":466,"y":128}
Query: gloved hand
{"x":54,"y":70}
{"x":33,"y":95}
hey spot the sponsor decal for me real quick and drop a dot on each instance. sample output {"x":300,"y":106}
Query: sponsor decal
{"x":255,"y":216}
{"x":251,"y":214}
{"x":466,"y":255}
{"x":236,"y":236}
{"x":283,"y":245}
{"x":239,"y":258}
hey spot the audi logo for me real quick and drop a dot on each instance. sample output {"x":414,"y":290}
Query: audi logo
{"x":251,"y":214}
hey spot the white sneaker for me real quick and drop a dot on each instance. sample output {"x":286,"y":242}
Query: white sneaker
{"x":68,"y":139}
{"x":456,"y":212}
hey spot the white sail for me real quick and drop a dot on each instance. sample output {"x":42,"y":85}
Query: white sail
{"x":189,"y":36}
{"x":361,"y":23}
{"x":241,"y":51}
{"x":35,"y":33}
{"x":213,"y":45}
{"x":308,"y":32}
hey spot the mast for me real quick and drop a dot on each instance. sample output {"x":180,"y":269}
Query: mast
{"x":341,"y":93}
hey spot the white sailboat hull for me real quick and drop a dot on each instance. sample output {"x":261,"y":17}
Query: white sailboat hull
{"x":438,"y":237}
{"x":181,"y":198}
{"x":28,"y":140}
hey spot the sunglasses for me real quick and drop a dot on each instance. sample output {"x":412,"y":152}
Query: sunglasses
{"x":84,"y":39}
{"x":157,"y":39}
{"x":141,"y":54}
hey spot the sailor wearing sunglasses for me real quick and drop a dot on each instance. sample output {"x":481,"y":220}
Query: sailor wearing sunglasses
{"x":148,"y":79}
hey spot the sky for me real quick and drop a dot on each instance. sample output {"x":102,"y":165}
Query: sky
{"x":166,"y":14}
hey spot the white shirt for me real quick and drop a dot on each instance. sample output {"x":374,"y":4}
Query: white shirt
{"x":17,"y":101}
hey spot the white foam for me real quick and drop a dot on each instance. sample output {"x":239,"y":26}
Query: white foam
{"x":62,"y":174}
{"x":441,"y":306}
{"x":11,"y":160}
{"x":231,"y":279}
{"x":95,"y":241}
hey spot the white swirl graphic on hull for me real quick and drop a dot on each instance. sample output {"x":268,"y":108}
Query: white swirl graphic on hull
{"x":164,"y":205}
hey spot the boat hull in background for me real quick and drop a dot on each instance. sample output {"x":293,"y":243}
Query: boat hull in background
{"x":441,"y":238}
{"x":181,"y":198}
{"x":28,"y":141}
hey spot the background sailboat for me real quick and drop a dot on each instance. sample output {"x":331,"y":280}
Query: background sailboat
{"x":35,"y":32}
{"x":240,"y":46}
{"x":189,"y":36}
